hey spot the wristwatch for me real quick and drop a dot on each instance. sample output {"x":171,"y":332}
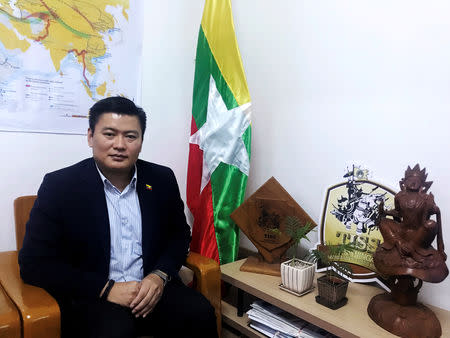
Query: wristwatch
{"x":108,"y":288}
{"x":164,"y":276}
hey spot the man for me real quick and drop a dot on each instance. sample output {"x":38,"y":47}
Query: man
{"x":107,"y":236}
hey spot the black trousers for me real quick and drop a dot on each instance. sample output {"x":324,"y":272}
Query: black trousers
{"x":181,"y":312}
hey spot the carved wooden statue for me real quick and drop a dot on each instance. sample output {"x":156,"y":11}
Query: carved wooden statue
{"x":406,"y":255}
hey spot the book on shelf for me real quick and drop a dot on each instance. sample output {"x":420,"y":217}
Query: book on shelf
{"x":275,"y":322}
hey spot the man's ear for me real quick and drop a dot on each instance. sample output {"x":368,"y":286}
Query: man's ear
{"x":89,"y":137}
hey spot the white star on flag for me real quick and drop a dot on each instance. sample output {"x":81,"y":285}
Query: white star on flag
{"x":220,"y":137}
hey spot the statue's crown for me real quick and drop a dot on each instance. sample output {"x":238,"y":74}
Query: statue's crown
{"x":416,"y":172}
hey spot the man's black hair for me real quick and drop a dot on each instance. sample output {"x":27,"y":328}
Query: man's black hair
{"x":119,"y":105}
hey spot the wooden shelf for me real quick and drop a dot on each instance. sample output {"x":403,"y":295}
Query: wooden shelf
{"x":351,"y":320}
{"x":229,"y":316}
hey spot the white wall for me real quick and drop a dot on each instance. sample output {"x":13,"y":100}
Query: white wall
{"x":336,"y":82}
{"x":170,"y":42}
{"x":332,"y":82}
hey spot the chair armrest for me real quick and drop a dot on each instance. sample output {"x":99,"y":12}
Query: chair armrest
{"x":208,"y":281}
{"x":39,"y":311}
{"x":9,"y":317}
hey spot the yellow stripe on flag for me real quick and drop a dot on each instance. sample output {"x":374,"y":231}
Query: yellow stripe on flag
{"x":218,"y":26}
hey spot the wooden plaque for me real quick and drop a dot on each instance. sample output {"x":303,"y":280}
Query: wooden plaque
{"x":261,"y":218}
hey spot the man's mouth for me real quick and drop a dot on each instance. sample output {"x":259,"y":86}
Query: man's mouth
{"x":118,"y":157}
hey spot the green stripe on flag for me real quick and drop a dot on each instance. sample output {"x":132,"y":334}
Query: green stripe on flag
{"x":231,"y":180}
{"x":247,"y":138}
{"x":205,"y":66}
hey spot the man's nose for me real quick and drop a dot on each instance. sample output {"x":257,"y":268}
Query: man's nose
{"x":119,"y":142}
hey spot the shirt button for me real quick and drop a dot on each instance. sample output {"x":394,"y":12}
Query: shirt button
{"x":124,"y":220}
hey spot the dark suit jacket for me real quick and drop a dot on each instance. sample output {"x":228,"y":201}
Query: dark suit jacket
{"x":66,"y":249}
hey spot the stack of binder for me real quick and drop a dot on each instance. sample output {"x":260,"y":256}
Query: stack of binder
{"x":274,"y":322}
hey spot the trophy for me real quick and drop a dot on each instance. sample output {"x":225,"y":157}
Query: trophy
{"x":262,"y":219}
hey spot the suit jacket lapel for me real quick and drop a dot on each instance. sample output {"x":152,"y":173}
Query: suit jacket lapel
{"x":96,"y":201}
{"x":149,"y":212}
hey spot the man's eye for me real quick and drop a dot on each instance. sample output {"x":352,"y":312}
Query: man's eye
{"x":108,"y":134}
{"x":131,"y":137}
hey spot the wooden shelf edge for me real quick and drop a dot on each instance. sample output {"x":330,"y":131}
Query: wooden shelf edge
{"x":229,"y":316}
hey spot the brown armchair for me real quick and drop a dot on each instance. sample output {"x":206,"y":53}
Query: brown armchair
{"x":9,"y":317}
{"x":39,"y":311}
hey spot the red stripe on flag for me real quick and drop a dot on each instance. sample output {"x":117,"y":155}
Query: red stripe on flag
{"x":201,"y":206}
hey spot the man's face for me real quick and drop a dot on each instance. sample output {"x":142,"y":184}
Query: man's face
{"x":116,"y":142}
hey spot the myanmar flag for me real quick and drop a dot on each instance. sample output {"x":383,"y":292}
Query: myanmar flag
{"x":219,"y":149}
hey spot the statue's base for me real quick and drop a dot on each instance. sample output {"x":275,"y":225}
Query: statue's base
{"x":257,"y":264}
{"x":405,"y":321}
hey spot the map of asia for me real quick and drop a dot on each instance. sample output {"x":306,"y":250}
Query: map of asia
{"x":58,"y":57}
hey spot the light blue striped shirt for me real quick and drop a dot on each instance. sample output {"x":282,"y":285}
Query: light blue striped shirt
{"x":125,"y":225}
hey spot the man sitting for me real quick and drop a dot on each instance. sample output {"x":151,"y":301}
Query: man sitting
{"x":108,"y":235}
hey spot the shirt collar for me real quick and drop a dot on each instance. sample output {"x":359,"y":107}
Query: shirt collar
{"x":105,"y":181}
